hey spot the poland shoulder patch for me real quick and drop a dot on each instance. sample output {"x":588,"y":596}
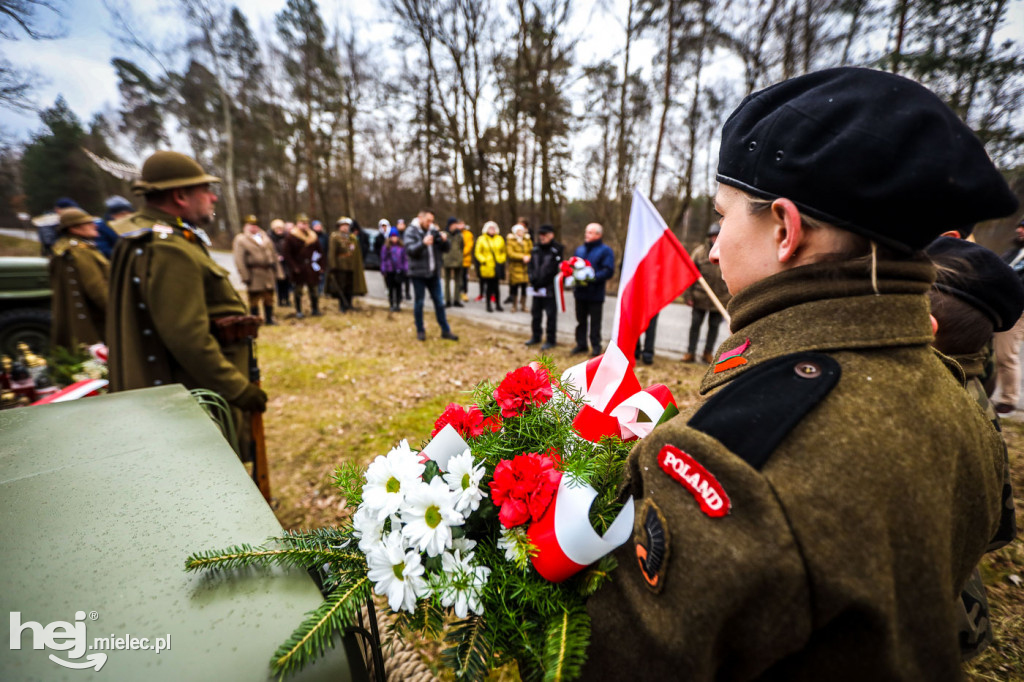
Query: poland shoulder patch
{"x":704,"y":487}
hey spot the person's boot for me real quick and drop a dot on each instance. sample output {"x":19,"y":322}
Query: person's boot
{"x":314,"y":302}
{"x":522,"y":302}
{"x":708,"y":358}
{"x":298,"y":306}
{"x":254,"y":310}
{"x":497,"y":304}
{"x":515,"y":309}
{"x":489,"y":305}
{"x":268,"y":313}
{"x":510,"y":299}
{"x":688,"y":357}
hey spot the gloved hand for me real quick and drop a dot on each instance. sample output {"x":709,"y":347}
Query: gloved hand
{"x":252,"y":399}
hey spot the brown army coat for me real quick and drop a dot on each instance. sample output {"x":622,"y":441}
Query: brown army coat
{"x":165,"y":291}
{"x":256,"y":261}
{"x":518,"y":250}
{"x":345,"y":263}
{"x":843,"y":553}
{"x":299,"y":251}
{"x":79,"y":278}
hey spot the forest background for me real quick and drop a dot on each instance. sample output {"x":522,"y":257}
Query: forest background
{"x":478,"y":108}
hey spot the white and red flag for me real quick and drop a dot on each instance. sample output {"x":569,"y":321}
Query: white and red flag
{"x":655,"y":270}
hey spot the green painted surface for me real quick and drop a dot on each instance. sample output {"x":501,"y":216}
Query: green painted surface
{"x":101,"y":500}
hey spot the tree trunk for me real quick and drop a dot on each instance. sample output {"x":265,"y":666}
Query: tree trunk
{"x":666,"y":94}
{"x":620,"y":166}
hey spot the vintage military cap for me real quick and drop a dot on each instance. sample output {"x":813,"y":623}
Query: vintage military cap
{"x":168,"y":170}
{"x":343,"y":220}
{"x":867,"y":151}
{"x":75,"y":216}
{"x":301,"y":218}
{"x":252,"y":220}
{"x":980,"y":278}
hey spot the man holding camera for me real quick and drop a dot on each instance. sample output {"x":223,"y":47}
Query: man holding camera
{"x":425,"y":246}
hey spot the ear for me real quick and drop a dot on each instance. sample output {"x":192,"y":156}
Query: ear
{"x":789,"y":230}
{"x":179,"y":197}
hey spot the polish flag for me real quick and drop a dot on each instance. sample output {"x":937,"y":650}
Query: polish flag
{"x":655,"y":270}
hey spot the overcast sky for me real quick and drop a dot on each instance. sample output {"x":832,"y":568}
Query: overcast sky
{"x":78,"y":65}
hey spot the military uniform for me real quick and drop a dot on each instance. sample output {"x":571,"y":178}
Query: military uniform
{"x":818,"y":516}
{"x":302,"y":257}
{"x":79,"y":278}
{"x":166,"y":292}
{"x":346,"y":277}
{"x":258,"y":266}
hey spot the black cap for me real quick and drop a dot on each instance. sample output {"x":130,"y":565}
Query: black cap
{"x":545,"y":229}
{"x":66,"y":202}
{"x":452,"y":220}
{"x":980,"y":278}
{"x":867,"y":151}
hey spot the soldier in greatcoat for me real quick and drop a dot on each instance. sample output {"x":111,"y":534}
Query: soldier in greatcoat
{"x":257,"y":265}
{"x":817,"y":517}
{"x":346,"y":277}
{"x":170,"y":304}
{"x":79,"y":278}
{"x":304,"y":260}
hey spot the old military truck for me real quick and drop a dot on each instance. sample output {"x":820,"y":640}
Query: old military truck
{"x":24,"y":304}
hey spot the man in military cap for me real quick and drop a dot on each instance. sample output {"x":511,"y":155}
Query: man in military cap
{"x":818,"y":515}
{"x":257,"y":265}
{"x":79,"y":278}
{"x":172,"y":308}
{"x":345,"y":265}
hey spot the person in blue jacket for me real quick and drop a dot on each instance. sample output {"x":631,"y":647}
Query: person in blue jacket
{"x":590,"y":298}
{"x":117,"y":207}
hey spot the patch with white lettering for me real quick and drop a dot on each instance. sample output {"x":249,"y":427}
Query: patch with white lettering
{"x":704,"y":487}
{"x":651,"y":540}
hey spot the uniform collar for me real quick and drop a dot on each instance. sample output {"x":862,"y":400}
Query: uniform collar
{"x":825,"y":307}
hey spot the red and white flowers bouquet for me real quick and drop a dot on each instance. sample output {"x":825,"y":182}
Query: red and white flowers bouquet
{"x":576,"y":272}
{"x":496,"y":531}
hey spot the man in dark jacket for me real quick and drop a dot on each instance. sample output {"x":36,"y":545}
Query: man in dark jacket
{"x":1007,"y":343}
{"x":425,"y":245}
{"x":542,"y":269}
{"x":590,"y":298}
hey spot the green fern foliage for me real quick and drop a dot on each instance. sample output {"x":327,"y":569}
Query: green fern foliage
{"x":468,"y":653}
{"x":565,"y":646}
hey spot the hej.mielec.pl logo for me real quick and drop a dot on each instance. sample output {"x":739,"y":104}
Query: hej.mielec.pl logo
{"x":72,"y":639}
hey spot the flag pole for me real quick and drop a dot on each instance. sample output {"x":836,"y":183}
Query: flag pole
{"x":714,"y":299}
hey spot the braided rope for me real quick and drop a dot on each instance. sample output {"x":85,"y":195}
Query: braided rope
{"x":403,"y":660}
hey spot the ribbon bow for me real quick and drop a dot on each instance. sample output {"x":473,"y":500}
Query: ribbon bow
{"x":567,"y":270}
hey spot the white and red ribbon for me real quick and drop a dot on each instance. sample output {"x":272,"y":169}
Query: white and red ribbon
{"x":79,"y":389}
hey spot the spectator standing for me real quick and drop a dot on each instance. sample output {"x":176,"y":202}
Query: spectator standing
{"x":278,"y":232}
{"x":519,"y":246}
{"x":116,"y":207}
{"x":490,"y":257}
{"x":323,"y":238}
{"x":49,"y":231}
{"x":453,"y":264}
{"x":425,"y":246}
{"x":1007,"y":343}
{"x":345,"y":263}
{"x":467,"y":260}
{"x":257,"y":265}
{"x":542,"y":269}
{"x":80,"y":280}
{"x":701,"y":303}
{"x":383,"y":230}
{"x":590,"y":298}
{"x":302,"y":254}
{"x":394,"y":265}
{"x":400,"y":224}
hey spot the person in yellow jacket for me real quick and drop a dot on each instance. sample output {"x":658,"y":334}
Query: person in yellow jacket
{"x":519,"y":247}
{"x":467,"y":259}
{"x":490,"y":254}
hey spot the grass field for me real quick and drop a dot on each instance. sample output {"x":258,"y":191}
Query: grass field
{"x":14,"y":246}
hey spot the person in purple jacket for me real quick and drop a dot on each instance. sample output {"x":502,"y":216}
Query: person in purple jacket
{"x":394,"y":265}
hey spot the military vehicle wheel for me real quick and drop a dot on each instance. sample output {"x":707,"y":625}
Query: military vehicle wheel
{"x":25,"y":325}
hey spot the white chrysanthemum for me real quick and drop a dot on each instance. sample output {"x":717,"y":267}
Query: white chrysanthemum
{"x":464,"y":480}
{"x":464,"y":545}
{"x":368,"y":528}
{"x":388,"y":479}
{"x":396,"y":573}
{"x":463,"y":583}
{"x":428,"y":514}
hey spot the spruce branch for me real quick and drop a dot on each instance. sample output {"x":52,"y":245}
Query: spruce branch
{"x":568,"y":634}
{"x":309,"y":641}
{"x":469,"y":650}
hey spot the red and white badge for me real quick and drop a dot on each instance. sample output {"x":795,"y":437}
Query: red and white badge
{"x":704,"y":487}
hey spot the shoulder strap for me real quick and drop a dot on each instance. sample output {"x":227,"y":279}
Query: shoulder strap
{"x":753,"y":414}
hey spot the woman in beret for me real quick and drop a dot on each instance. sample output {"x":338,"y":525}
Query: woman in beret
{"x":816,"y":517}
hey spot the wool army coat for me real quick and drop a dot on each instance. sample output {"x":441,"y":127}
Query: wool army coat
{"x":345,"y":263}
{"x":256,"y":261}
{"x":302,"y":255}
{"x":518,"y":250}
{"x":79,"y":278}
{"x":453,"y":256}
{"x":817,"y":517}
{"x":165,"y":292}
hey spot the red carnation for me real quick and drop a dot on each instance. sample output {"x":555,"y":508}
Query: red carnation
{"x":523,"y":388}
{"x":470,"y":422}
{"x":523,"y":487}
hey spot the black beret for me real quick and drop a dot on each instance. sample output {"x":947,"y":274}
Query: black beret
{"x":980,"y":278}
{"x":545,"y":229}
{"x":867,"y":151}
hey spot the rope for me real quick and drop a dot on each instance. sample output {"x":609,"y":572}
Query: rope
{"x":403,"y":661}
